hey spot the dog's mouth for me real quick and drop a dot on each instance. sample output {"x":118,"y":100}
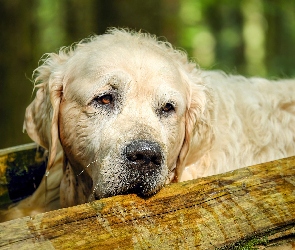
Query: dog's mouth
{"x":140,"y":190}
{"x":143,"y":183}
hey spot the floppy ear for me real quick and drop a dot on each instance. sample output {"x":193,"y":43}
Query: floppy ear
{"x":74,"y":189}
{"x":197,"y":117}
{"x":41,"y":117}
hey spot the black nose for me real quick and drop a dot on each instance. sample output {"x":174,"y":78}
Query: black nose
{"x":142,"y":154}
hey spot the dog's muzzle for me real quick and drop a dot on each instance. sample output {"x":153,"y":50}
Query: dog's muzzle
{"x":141,"y":170}
{"x":144,"y":162}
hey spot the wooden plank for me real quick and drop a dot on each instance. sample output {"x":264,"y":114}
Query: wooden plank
{"x":21,"y":170}
{"x":249,"y":207}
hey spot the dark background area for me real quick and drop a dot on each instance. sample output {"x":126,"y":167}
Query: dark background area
{"x":249,"y":37}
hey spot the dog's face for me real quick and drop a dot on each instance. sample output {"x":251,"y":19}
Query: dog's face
{"x":122,"y":119}
{"x":123,"y":108}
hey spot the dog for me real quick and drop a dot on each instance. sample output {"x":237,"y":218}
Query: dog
{"x":126,"y":113}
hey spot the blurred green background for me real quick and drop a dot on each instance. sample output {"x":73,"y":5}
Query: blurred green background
{"x":250,"y":37}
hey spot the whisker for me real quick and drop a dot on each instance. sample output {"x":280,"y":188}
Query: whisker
{"x":46,"y":176}
{"x":95,"y":188}
{"x":87,"y":167}
{"x":92,"y":196}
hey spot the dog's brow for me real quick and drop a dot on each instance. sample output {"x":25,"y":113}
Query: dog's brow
{"x":114,"y":79}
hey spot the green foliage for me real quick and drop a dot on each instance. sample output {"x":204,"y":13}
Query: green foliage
{"x":252,"y":37}
{"x":249,"y":244}
{"x":50,"y":24}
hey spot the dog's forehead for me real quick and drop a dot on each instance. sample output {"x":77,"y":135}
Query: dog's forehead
{"x":138,"y":62}
{"x":146,"y":68}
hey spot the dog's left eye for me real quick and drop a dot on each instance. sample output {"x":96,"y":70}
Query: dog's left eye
{"x":168,"y":107}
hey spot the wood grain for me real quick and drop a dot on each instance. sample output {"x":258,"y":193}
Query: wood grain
{"x":247,"y":208}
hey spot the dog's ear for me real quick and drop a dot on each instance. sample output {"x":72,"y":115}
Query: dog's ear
{"x":74,"y":188}
{"x":197,"y":117}
{"x":41,"y":117}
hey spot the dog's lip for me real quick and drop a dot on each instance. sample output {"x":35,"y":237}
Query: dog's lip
{"x":143,"y":183}
{"x":137,"y":189}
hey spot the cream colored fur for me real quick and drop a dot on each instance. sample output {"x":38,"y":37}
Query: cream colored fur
{"x":221,"y":122}
{"x":251,"y":121}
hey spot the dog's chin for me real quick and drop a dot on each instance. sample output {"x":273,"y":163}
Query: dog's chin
{"x":144,"y":188}
{"x":138,"y":190}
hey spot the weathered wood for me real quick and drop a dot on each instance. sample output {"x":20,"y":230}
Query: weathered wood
{"x":21,"y":170}
{"x":253,"y":206}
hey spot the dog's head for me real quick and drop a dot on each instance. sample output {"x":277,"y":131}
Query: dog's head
{"x":123,"y":106}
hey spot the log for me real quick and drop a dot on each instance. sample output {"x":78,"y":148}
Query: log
{"x":21,"y":170}
{"x":250,"y":208}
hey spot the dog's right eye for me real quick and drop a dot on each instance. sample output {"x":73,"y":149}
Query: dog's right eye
{"x":104,"y":100}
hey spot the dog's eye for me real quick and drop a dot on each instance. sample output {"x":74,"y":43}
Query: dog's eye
{"x":168,"y":107}
{"x":105,"y":99}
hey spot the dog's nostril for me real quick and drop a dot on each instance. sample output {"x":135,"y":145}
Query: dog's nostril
{"x":135,"y":157}
{"x":142,"y":153}
{"x":156,"y":160}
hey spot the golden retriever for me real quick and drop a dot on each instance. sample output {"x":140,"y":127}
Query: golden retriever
{"x":126,"y":113}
